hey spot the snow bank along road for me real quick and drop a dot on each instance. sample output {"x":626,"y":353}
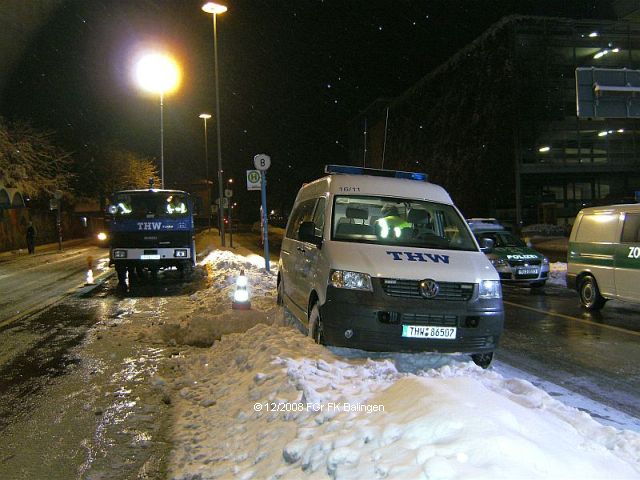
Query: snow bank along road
{"x":269,"y":403}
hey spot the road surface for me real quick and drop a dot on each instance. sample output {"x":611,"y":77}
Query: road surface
{"x":31,"y":283}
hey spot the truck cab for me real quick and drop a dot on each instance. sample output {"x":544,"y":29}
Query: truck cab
{"x":151,"y":230}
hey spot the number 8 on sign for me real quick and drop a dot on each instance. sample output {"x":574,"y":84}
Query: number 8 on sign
{"x":262,"y":162}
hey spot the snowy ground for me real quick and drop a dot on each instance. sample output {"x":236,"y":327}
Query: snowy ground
{"x":268,"y":403}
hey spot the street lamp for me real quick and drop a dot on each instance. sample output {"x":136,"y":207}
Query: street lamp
{"x":158,"y":73}
{"x":216,"y":9}
{"x":205,"y":117}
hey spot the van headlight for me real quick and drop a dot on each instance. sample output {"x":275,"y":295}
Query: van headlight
{"x":351,"y":280}
{"x":490,"y":289}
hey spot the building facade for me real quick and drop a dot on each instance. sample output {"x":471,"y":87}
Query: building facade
{"x":497,"y":126}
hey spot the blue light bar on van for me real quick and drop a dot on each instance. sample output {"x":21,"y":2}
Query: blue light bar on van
{"x":376,"y":172}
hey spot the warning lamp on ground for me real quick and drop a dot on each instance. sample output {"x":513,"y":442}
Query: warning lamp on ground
{"x":89,"y":280}
{"x":241,"y":293}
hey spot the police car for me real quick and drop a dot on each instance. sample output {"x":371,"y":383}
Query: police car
{"x":516,"y":262}
{"x":382,"y":260}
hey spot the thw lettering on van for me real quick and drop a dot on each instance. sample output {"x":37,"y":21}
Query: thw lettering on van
{"x":149,"y":225}
{"x":418,"y":257}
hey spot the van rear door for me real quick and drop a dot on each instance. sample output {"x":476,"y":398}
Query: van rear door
{"x":594,"y":247}
{"x":627,"y":259}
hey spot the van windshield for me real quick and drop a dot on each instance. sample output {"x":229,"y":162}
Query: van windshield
{"x":501,"y":239}
{"x":393,"y":221}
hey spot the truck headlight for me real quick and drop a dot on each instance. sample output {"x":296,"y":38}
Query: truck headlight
{"x":180,"y":253}
{"x":102,"y":236}
{"x":490,"y":289}
{"x":351,"y":280}
{"x":119,"y":254}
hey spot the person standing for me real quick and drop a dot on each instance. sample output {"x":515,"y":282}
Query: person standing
{"x":31,"y":238}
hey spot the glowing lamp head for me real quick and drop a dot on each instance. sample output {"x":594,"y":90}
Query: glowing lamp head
{"x":214,"y":8}
{"x":157,"y":73}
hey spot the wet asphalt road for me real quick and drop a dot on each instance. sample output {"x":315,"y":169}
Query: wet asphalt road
{"x":76,"y":397}
{"x":549,"y":335}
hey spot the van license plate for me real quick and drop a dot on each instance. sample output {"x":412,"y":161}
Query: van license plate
{"x":425,"y":331}
{"x":527,"y":271}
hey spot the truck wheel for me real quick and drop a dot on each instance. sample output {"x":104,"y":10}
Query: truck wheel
{"x":590,"y":294}
{"x":186,"y":270}
{"x":482,"y":359}
{"x":315,"y":325}
{"x":121,"y":270}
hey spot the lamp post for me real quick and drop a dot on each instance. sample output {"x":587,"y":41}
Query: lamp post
{"x":158,"y":73}
{"x":230,"y":186}
{"x":205,"y":117}
{"x":216,"y":9}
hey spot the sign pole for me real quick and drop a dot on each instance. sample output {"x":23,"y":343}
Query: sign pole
{"x":263,"y":191}
{"x":262,"y":162}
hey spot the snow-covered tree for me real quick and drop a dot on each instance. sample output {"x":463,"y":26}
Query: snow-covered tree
{"x":103,"y":170}
{"x":31,"y":162}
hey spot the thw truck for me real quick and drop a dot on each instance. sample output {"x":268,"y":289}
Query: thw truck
{"x":151,"y":230}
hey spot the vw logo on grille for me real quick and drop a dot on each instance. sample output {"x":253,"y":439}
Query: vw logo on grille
{"x":429,"y":288}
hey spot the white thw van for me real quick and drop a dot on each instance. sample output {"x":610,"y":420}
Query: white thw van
{"x":603,"y":258}
{"x":382,"y":260}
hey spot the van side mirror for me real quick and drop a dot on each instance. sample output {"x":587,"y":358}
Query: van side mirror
{"x":486,"y":245}
{"x":307,"y":233}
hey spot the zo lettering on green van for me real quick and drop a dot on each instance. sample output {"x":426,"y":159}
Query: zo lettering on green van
{"x":522,"y":257}
{"x":418,"y":257}
{"x":634,"y":252}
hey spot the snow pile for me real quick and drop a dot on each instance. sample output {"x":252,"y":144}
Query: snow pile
{"x":209,"y":314}
{"x":271,"y":404}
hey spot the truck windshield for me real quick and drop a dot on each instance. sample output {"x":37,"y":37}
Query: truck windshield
{"x":393,"y":221}
{"x":151,"y":205}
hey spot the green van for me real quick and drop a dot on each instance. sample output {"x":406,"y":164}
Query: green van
{"x":603,"y":258}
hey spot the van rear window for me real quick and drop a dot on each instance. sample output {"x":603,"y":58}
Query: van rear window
{"x":599,"y":228}
{"x":393,"y":221}
{"x":631,"y":228}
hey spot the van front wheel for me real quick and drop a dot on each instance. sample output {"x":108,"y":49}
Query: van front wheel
{"x":482,"y":359}
{"x":590,"y":294}
{"x":280,"y":297}
{"x":315,"y":325}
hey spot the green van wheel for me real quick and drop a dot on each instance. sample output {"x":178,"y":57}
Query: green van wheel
{"x":590,"y":294}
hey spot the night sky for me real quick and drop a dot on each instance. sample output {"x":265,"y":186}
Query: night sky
{"x":293,"y":73}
